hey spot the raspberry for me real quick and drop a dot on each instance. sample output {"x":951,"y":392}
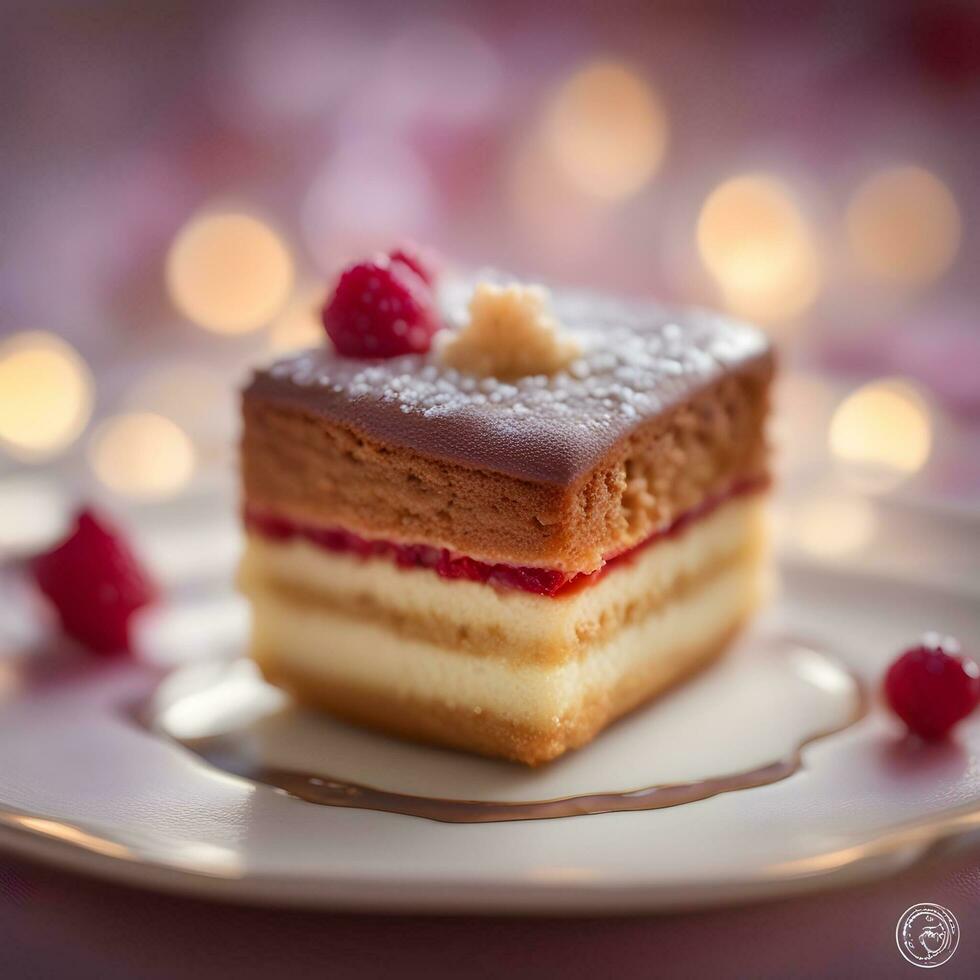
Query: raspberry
{"x":380,"y":309}
{"x":95,"y":584}
{"x":422,"y":267}
{"x":931,"y":689}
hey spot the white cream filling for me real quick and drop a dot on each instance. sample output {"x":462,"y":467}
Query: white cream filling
{"x":515,"y":620}
{"x":321,"y":644}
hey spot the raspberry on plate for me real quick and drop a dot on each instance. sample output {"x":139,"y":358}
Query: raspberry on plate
{"x":931,"y":688}
{"x":380,"y":308}
{"x":95,"y":584}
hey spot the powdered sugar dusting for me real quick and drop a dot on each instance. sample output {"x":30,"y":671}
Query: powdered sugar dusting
{"x":637,"y":359}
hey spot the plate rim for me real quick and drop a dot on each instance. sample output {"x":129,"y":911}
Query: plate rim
{"x":879,"y":858}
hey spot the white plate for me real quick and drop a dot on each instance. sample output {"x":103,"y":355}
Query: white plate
{"x":83,"y":785}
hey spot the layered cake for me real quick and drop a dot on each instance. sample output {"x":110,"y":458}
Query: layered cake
{"x":495,"y":518}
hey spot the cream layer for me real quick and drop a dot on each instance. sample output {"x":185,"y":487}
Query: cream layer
{"x":336,"y":649}
{"x":507,"y":623}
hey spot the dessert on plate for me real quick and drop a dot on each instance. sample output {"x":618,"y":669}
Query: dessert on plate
{"x":500,"y":519}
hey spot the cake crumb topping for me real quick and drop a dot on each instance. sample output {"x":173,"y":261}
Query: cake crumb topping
{"x":511,"y":333}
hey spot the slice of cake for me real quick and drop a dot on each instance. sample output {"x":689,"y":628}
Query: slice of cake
{"x":503,"y":540}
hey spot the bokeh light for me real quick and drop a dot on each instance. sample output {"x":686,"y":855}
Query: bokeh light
{"x":903,"y":226}
{"x":833,"y":526}
{"x":755,"y":242}
{"x":299,"y":325}
{"x":229,"y":272}
{"x":140,"y":454}
{"x":881,"y":434}
{"x":606,"y":128}
{"x":46,"y":393}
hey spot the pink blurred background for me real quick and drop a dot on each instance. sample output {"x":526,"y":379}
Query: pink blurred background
{"x":180,"y":181}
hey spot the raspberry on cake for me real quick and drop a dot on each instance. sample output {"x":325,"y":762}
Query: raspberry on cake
{"x":380,"y":309}
{"x":508,"y":541}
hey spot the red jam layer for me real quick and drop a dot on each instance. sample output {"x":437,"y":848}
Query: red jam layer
{"x":449,"y":564}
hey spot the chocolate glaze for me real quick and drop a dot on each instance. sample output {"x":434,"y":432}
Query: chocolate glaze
{"x":639,"y":360}
{"x":220,"y":752}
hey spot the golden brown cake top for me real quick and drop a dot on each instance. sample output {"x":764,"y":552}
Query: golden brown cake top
{"x":636,"y":361}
